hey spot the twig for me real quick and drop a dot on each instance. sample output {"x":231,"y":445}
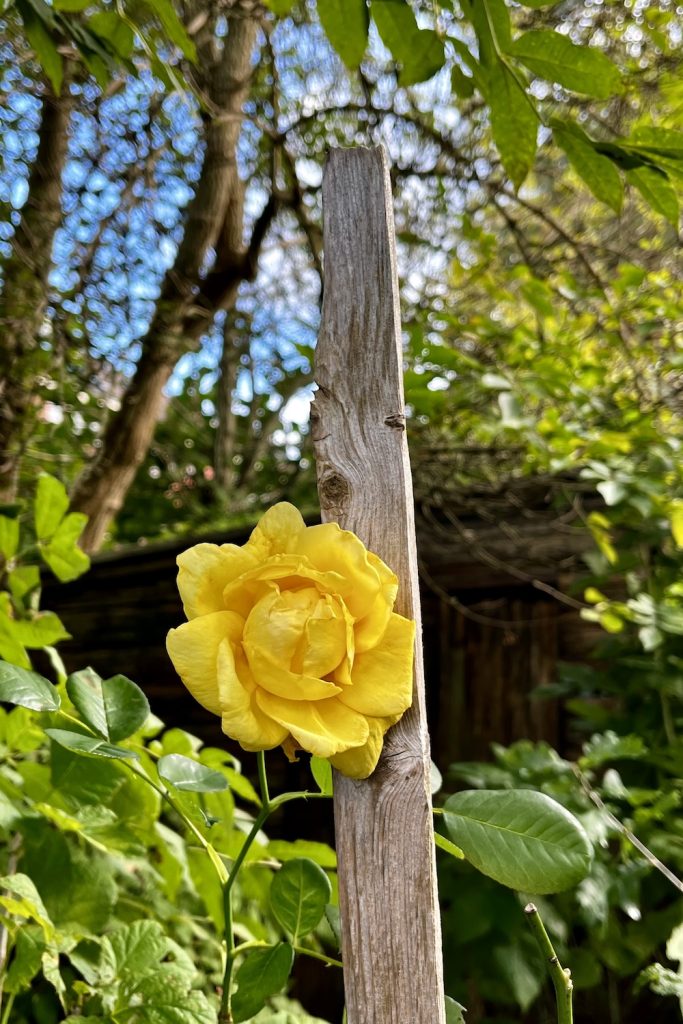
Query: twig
{"x":649,"y":856}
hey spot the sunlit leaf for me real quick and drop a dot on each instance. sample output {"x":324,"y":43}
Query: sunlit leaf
{"x":27,"y":689}
{"x":553,"y":56}
{"x":346,"y":25}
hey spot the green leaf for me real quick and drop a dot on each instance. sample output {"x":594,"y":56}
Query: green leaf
{"x":115,"y":708}
{"x":114,"y":31}
{"x":321,"y":853}
{"x":26,"y":961}
{"x":23,"y":580}
{"x":50,"y":506}
{"x":61,"y":553}
{"x":657,"y":191}
{"x":321,"y":770}
{"x":77,"y":887}
{"x":298,"y":895}
{"x":11,"y":650}
{"x":51,"y":973}
{"x":186,"y":774}
{"x":9,"y":537}
{"x":42,"y":43}
{"x":517,"y":966}
{"x":241,"y":785}
{"x":522,"y":839}
{"x":173,"y":26}
{"x":664,"y":141}
{"x":607,"y":746}
{"x":420,"y":52}
{"x":491,"y":22}
{"x":454,"y":1012}
{"x":346,"y":25}
{"x":133,"y":950}
{"x":514,"y":122}
{"x":164,"y":998}
{"x":263,"y":973}
{"x":27,"y":689}
{"x":461,"y":84}
{"x":20,"y":897}
{"x":42,"y":630}
{"x":88,"y":746}
{"x":598,"y":171}
{"x":279,"y":7}
{"x":556,"y":58}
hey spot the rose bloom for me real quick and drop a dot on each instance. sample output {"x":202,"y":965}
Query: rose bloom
{"x":292,"y":639}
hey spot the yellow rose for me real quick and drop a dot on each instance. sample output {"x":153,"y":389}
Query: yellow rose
{"x":292,"y":640}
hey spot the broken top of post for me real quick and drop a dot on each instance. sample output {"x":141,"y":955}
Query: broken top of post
{"x":391,"y":935}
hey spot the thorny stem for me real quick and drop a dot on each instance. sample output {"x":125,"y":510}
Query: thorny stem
{"x":561,"y":977}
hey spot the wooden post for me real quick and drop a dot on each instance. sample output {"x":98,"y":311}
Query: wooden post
{"x":391,"y":933}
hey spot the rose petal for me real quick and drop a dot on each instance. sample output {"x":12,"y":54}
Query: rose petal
{"x":382,"y":679}
{"x":322,"y":727}
{"x":203,"y":573}
{"x":242,"y":718}
{"x":277,"y":623}
{"x":289,"y":572}
{"x":359,"y":762}
{"x":193,"y":649}
{"x":281,"y":682}
{"x":370,"y":629}
{"x":331,"y":549}
{"x":324,"y":644}
{"x":277,"y":531}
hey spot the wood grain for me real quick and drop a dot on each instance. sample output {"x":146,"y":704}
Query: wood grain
{"x":391,"y":934}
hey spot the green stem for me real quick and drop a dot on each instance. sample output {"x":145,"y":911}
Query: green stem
{"x":8,"y":1009}
{"x":244,"y":947}
{"x":561,"y":977}
{"x":668,"y":720}
{"x":263,"y":778}
{"x":329,"y":960}
{"x":267,"y":806}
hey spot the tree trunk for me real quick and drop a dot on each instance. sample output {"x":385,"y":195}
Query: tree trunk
{"x":187,"y":303}
{"x":23,"y":299}
{"x":100,"y":493}
{"x":225,"y":443}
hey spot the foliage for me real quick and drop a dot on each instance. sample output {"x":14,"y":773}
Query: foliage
{"x":111,"y":888}
{"x":118,"y":881}
{"x":609,"y":926}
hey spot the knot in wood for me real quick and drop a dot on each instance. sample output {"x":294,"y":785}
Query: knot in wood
{"x":334,"y":491}
{"x":397,"y":420}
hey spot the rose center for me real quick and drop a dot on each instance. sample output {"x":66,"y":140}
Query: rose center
{"x":302,"y":630}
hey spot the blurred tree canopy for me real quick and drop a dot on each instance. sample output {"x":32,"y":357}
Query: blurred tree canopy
{"x":160,"y":242}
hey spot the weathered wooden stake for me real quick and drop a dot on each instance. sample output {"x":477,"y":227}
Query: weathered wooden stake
{"x":391,"y":934}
